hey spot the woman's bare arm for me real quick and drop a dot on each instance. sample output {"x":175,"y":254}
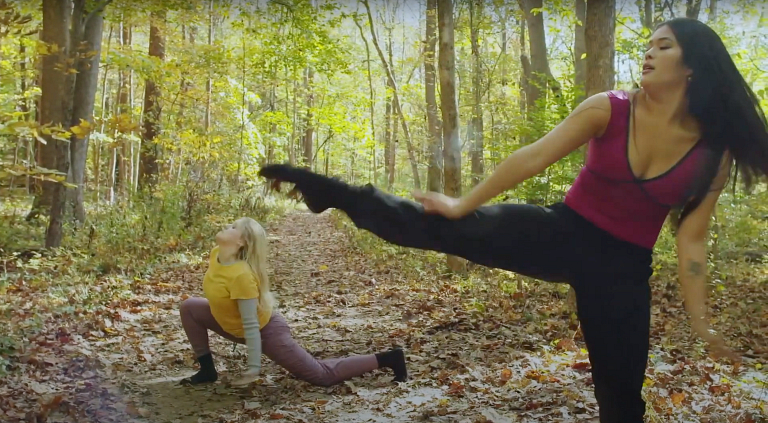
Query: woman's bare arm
{"x":588,"y":120}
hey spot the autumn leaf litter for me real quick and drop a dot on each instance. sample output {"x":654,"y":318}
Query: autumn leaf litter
{"x":518,"y":358}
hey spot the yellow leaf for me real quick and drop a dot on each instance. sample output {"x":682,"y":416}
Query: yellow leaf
{"x":677,"y":398}
{"x":38,"y":137}
{"x":81,"y":130}
{"x":323,"y":267}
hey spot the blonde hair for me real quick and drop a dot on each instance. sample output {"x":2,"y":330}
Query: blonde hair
{"x":254,"y":252}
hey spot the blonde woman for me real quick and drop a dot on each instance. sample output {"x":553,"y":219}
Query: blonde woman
{"x":239,"y":306}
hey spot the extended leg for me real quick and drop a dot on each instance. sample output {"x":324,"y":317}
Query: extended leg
{"x":527,"y":239}
{"x":279,"y":345}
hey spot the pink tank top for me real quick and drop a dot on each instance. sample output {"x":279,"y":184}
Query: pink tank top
{"x":608,"y":194}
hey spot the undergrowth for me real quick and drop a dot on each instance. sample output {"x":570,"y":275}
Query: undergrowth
{"x":118,"y":246}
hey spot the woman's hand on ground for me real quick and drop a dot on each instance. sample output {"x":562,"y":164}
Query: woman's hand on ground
{"x":246,"y":378}
{"x":715,"y":341}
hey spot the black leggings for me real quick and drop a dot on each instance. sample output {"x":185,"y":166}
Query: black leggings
{"x":555,"y":244}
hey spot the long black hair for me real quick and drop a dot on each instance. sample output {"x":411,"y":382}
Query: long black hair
{"x":726,"y":108}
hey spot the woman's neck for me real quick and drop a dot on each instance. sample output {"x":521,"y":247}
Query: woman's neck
{"x":228,"y":254}
{"x":667,"y":105}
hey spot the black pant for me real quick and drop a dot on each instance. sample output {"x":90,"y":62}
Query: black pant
{"x":553,"y":244}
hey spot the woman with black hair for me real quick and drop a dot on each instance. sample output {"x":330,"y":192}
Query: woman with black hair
{"x":667,"y":148}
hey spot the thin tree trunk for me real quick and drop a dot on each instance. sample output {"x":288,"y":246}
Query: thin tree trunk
{"x":449,"y":105}
{"x":209,"y":81}
{"x":476,"y":124}
{"x":712,"y":11}
{"x":525,"y":69}
{"x":97,"y":146}
{"x":111,"y":175}
{"x":393,"y":149}
{"x":692,"y":8}
{"x":292,"y":140}
{"x":389,"y":164}
{"x":579,"y":51}
{"x":541,"y":76}
{"x":23,"y":108}
{"x":125,"y":112}
{"x":309,"y":129}
{"x":152,"y":106}
{"x":372,"y":99}
{"x":503,"y":69}
{"x":600,"y":32}
{"x":185,"y":84}
{"x":647,"y":15}
{"x":84,"y":98}
{"x":435,"y":169}
{"x":397,"y":105}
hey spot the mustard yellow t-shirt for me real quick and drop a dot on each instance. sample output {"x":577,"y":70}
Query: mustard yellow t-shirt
{"x":223,"y":285}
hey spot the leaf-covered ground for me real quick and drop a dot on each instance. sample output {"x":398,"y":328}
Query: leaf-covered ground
{"x":505,"y":357}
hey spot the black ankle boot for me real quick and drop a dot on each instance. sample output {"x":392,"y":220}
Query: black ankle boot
{"x":206,"y":374}
{"x":395,"y":360}
{"x":320,"y":192}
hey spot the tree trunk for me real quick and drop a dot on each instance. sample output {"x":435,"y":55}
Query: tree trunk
{"x":503,"y":69}
{"x":476,"y":124}
{"x":692,"y":8}
{"x":388,"y":167}
{"x":57,"y":17}
{"x":525,"y":69}
{"x":392,"y":152}
{"x":185,"y":84}
{"x":309,"y":129}
{"x":84,"y":98}
{"x":23,"y":108}
{"x":58,"y":28}
{"x":435,"y":169}
{"x":397,"y":105}
{"x":579,"y":51}
{"x":152,"y":106}
{"x":372,"y":99}
{"x":295,"y":116}
{"x":600,"y":32}
{"x":209,"y":81}
{"x":449,"y":105}
{"x":125,"y":110}
{"x":646,"y":14}
{"x":389,"y":136}
{"x":712,"y":11}
{"x":104,"y":106}
{"x":541,"y":76}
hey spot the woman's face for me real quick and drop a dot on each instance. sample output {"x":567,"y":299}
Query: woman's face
{"x":663,"y":64}
{"x":230,"y":235}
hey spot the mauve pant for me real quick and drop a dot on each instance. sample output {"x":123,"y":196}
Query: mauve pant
{"x":277,"y":344}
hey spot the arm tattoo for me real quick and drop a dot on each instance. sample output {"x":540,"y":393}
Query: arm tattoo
{"x":695,"y":268}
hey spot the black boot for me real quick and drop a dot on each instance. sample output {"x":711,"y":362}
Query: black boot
{"x":206,"y":374}
{"x":320,"y":192}
{"x":395,"y":360}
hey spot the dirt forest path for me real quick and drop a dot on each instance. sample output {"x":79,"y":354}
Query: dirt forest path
{"x":519,"y":360}
{"x":339,"y":302}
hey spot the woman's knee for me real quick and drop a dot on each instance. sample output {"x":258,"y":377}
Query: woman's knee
{"x":320,"y":379}
{"x":188,"y":306}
